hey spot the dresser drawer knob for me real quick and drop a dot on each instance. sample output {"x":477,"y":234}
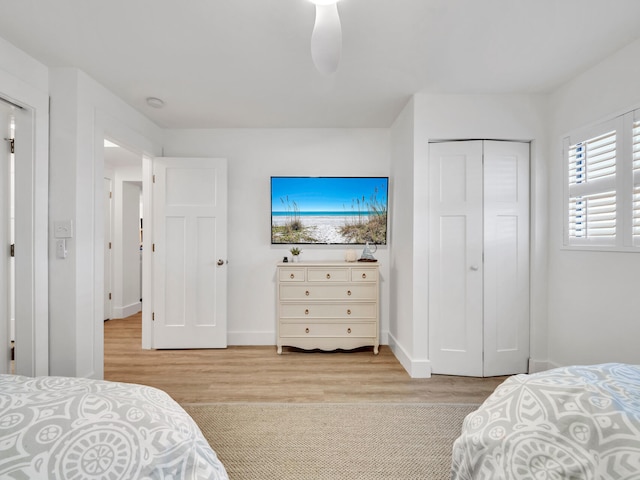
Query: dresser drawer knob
{"x":292,"y":276}
{"x":349,"y":311}
{"x":364,"y":275}
{"x":328,"y":276}
{"x":306,"y":293}
{"x":348,"y":330}
{"x":306,"y":312}
{"x":306,"y":330}
{"x":349,"y":292}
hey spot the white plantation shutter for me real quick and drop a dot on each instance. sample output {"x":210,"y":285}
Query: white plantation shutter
{"x":602,"y":185}
{"x":593,"y":216}
{"x":593,"y":159}
{"x":636,"y":184}
{"x":592,"y":190}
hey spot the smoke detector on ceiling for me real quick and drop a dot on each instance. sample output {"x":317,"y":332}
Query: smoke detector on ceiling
{"x":155,"y":102}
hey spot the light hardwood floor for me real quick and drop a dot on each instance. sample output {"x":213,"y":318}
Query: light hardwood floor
{"x":258,"y":374}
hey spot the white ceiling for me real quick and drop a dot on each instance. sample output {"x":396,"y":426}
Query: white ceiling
{"x":121,"y":157}
{"x":247,"y":63}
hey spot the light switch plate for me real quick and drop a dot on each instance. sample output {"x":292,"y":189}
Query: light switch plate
{"x":63,"y":229}
{"x":61,"y":248}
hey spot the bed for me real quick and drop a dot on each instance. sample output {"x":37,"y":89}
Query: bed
{"x":579,"y":422}
{"x":77,"y":428}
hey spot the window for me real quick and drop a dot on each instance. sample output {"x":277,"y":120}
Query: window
{"x":636,"y":184}
{"x":602,"y":196}
{"x":592,"y":189}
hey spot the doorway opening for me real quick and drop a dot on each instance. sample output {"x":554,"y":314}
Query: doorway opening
{"x":123,"y":231}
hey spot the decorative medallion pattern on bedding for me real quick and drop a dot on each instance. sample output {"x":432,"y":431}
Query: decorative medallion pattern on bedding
{"x":76,"y":428}
{"x":580,"y":422}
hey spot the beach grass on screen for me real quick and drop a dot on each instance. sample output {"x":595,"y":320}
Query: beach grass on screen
{"x":329,"y":210}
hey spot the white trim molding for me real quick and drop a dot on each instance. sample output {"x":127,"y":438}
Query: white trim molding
{"x":416,"y":368}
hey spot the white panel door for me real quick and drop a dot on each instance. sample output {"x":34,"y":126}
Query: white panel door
{"x":190,"y":251}
{"x":506,"y":258}
{"x":455,"y":258}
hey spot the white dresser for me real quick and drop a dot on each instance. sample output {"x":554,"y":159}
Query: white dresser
{"x":328,"y":305}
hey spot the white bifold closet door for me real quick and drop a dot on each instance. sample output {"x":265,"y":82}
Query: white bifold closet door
{"x":479,"y":257}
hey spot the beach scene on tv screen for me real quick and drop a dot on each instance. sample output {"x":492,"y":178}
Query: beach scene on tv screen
{"x":329,"y":210}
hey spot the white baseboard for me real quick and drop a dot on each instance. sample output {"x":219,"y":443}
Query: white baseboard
{"x":251,"y":338}
{"x":127,"y":310}
{"x":415,"y":368}
{"x":536,"y":366}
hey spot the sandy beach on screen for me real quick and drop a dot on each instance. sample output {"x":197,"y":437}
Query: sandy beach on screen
{"x":325,"y":228}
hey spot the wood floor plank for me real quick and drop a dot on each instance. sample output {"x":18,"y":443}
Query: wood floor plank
{"x":258,"y":374}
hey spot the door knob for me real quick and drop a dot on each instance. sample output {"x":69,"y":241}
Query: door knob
{"x":475,"y":268}
{"x":220,"y":262}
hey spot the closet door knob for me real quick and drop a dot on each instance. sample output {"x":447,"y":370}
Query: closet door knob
{"x":475,"y":268}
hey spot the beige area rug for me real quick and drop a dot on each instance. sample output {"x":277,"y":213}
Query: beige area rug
{"x":332,"y":441}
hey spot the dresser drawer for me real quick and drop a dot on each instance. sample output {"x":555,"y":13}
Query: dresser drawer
{"x":291,"y":274}
{"x":335,"y":310}
{"x":366,"y":329}
{"x":328,"y":292}
{"x":328,"y":275}
{"x":364,"y":275}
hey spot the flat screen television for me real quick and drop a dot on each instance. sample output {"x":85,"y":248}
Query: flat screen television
{"x":329,"y":210}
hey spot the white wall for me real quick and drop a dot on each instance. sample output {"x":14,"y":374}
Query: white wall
{"x":405,"y":303}
{"x":24,"y":81}
{"x":594,"y":306}
{"x":450,"y":117}
{"x":82,"y":113}
{"x":254,"y":155}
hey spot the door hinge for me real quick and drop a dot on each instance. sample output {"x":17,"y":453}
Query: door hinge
{"x":109,"y":245}
{"x":153,"y":247}
{"x":12,"y":144}
{"x":109,"y":295}
{"x":154,"y":179}
{"x":153,"y":316}
{"x":12,"y":250}
{"x":110,"y":194}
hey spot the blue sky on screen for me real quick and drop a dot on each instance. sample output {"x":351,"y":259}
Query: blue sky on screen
{"x":325,"y":194}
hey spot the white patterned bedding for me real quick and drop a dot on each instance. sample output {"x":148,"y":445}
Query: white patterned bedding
{"x":580,"y":422}
{"x":76,"y":428}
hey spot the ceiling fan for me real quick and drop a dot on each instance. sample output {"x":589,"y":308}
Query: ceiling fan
{"x":326,"y":38}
